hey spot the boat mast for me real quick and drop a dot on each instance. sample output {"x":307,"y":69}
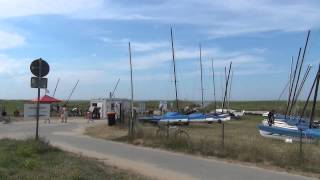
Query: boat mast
{"x":226,"y":88}
{"x":174,"y":72}
{"x":114,"y":89}
{"x":132,"y":113}
{"x":55,"y":89}
{"x":214,"y":88}
{"x":229,"y":96}
{"x":314,"y":100}
{"x":300,"y":68}
{"x":294,"y":101}
{"x":202,"y":103}
{"x":292,"y":84}
{"x":289,"y":83}
{"x":307,"y":101}
{"x":72,"y":91}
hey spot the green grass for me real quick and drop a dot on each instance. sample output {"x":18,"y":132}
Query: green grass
{"x":32,"y":160}
{"x":242,"y":143}
{"x":279,"y":106}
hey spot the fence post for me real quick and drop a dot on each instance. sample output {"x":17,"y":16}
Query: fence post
{"x":222,"y":142}
{"x":300,"y":146}
{"x":167,"y":130}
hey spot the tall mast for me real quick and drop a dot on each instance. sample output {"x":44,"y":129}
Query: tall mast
{"x":72,"y":91}
{"x":202,"y":103}
{"x":114,"y":89}
{"x":132,"y":113}
{"x":289,"y":82}
{"x":294,"y":101}
{"x":174,"y":72}
{"x":55,"y":89}
{"x":307,"y":101}
{"x":226,"y":88}
{"x":229,"y":96}
{"x":300,"y":68}
{"x":314,"y":100}
{"x":214,"y":88}
{"x":293,"y":80}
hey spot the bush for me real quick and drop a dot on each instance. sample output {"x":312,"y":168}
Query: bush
{"x":30,"y":164}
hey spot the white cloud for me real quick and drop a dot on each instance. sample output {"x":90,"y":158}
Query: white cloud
{"x":13,"y":67}
{"x":216,"y":18}
{"x":138,"y":46}
{"x":10,"y":40}
{"x":222,"y":18}
{"x":18,"y":8}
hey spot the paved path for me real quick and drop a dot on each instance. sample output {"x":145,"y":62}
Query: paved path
{"x":151,"y":162}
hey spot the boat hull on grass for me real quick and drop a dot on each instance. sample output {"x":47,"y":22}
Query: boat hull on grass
{"x":150,"y":119}
{"x":215,"y":117}
{"x":283,"y":130}
{"x":174,"y":118}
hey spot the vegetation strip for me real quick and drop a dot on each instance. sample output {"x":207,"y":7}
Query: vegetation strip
{"x":30,"y":160}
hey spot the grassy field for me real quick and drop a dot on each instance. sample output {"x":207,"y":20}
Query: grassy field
{"x":279,"y":106}
{"x":12,"y":105}
{"x":242,"y":143}
{"x":32,"y":160}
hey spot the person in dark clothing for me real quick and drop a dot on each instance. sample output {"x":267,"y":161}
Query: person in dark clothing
{"x":271,"y":117}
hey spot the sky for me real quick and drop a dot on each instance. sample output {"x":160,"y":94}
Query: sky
{"x":87,"y":40}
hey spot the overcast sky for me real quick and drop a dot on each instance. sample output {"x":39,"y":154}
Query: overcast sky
{"x":88,"y":40}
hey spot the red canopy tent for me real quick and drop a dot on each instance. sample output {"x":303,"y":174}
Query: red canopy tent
{"x":46,"y":99}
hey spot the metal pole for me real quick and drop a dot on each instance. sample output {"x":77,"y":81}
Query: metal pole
{"x":174,"y":71}
{"x":226,"y":89}
{"x":301,"y":64}
{"x":289,"y":82}
{"x":38,"y":99}
{"x":222,"y":142}
{"x":214,"y":89}
{"x":131,"y":119}
{"x":307,"y":101}
{"x":300,"y":146}
{"x":55,"y":89}
{"x":72,"y":91}
{"x":229,"y":96}
{"x":294,"y":100}
{"x":202,"y":103}
{"x":314,"y":100}
{"x":293,"y":80}
{"x":114,"y":89}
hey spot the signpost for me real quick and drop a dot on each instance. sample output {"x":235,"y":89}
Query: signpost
{"x":39,"y":68}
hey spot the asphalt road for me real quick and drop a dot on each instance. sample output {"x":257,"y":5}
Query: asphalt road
{"x":151,"y":162}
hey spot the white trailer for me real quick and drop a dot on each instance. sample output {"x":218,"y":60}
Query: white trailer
{"x":106,"y":105}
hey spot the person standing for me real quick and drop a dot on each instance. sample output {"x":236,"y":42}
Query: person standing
{"x":64,"y":114}
{"x":271,"y":117}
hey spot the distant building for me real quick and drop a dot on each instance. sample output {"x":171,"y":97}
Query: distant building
{"x":106,"y":105}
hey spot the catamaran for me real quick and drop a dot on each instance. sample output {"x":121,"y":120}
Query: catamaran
{"x":295,"y":127}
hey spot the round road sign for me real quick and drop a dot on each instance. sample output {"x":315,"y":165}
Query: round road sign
{"x":39,"y":68}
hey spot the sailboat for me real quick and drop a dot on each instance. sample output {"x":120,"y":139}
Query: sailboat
{"x":174,"y":117}
{"x":222,"y":114}
{"x":295,"y":127}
